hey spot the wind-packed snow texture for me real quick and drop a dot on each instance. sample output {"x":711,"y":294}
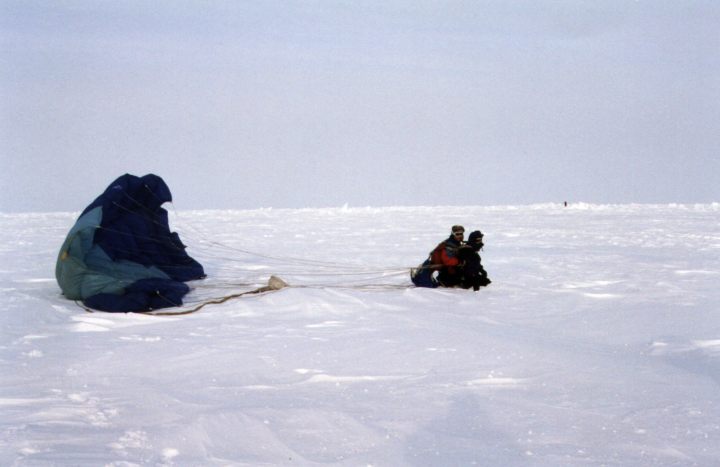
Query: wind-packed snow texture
{"x":598,"y":343}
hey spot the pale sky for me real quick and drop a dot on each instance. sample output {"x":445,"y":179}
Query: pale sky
{"x":370,"y":103}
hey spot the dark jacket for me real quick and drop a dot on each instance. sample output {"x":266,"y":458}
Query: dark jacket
{"x":471,"y":273}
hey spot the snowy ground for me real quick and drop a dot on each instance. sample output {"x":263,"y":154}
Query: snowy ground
{"x":597,"y":344}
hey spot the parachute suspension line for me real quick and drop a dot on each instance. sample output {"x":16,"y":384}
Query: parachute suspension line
{"x":337,"y":268}
{"x":306,"y":262}
{"x":355,"y":287}
{"x":380,"y":272}
{"x":302,"y":261}
{"x":327,"y":268}
{"x":368,"y":280}
{"x":285,"y":259}
{"x":299,"y":261}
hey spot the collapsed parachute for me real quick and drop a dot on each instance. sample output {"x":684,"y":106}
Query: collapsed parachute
{"x":121,"y":256}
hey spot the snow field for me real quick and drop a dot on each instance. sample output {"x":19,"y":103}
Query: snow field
{"x":598,"y":343}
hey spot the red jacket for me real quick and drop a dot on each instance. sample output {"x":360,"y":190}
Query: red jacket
{"x":445,"y":253}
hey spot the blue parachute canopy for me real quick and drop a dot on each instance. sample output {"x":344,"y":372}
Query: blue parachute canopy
{"x":121,"y":256}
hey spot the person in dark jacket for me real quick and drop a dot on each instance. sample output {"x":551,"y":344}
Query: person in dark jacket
{"x":472,"y":273}
{"x":442,"y":259}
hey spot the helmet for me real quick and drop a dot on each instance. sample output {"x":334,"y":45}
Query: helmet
{"x":458,"y":229}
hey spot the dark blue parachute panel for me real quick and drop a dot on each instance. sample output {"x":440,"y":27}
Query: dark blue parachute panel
{"x":121,"y":255}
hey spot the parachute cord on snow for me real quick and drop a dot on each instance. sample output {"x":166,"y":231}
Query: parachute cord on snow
{"x":274,"y":283}
{"x":258,"y":291}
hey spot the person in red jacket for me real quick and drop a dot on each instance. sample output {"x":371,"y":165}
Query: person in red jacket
{"x":443,"y":259}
